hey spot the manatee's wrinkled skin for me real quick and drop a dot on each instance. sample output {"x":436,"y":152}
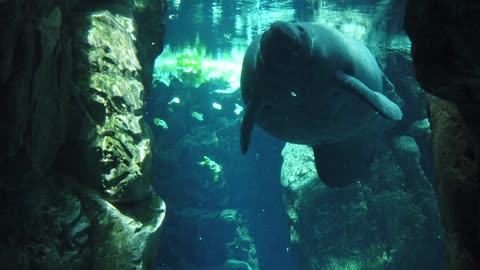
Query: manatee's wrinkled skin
{"x":308,"y":84}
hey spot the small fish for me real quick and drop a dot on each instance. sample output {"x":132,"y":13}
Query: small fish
{"x":197,"y":116}
{"x":160,"y":123}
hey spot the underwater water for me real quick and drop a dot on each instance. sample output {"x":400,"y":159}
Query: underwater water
{"x":267,"y":209}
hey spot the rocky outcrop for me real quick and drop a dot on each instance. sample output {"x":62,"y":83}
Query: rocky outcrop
{"x":445,"y":44}
{"x":378,"y":223}
{"x":76,"y":155}
{"x":110,"y":99}
{"x":456,"y":162}
{"x":444,"y":48}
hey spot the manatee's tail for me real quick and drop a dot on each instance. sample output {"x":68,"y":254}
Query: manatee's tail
{"x":248,"y":122}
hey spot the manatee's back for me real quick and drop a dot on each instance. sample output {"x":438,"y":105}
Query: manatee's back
{"x":330,"y":111}
{"x":348,"y":54}
{"x":248,"y":75}
{"x":366,"y":68}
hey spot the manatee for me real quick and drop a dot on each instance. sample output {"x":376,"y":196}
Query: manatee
{"x":306,"y":83}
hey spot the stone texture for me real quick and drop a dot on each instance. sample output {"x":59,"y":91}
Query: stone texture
{"x":64,"y":226}
{"x":456,"y":153}
{"x":236,"y":265}
{"x":407,"y":154}
{"x":75,"y":154}
{"x":46,"y":229}
{"x":445,"y":47}
{"x":382,"y":222}
{"x":126,"y":238}
{"x":110,"y":92}
{"x":34,"y":87}
{"x":445,"y":43}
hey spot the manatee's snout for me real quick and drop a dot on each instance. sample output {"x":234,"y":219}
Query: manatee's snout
{"x":283,"y":36}
{"x":280,"y":45}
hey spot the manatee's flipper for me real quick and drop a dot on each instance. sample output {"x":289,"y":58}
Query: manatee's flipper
{"x":248,"y":122}
{"x":341,"y":164}
{"x":381,"y":103}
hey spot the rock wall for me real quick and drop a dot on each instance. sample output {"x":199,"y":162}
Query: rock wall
{"x":445,"y":44}
{"x":76,"y":157}
{"x":381,"y":222}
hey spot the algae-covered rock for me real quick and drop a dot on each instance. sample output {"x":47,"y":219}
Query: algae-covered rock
{"x":236,"y":265}
{"x":56,"y":224}
{"x":323,"y":221}
{"x":35,"y":82}
{"x":407,"y":149}
{"x":421,"y":127}
{"x":125,"y":239}
{"x":445,"y":54}
{"x":372,"y":224}
{"x":49,"y":90}
{"x":47,"y":227}
{"x":456,"y":153}
{"x":421,"y":132}
{"x":73,"y":140}
{"x":111,"y":96}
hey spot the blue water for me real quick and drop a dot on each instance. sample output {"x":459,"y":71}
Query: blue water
{"x":218,"y":32}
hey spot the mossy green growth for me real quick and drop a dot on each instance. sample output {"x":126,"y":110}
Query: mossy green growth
{"x":194,"y":66}
{"x":198,"y":116}
{"x":374,"y":257}
{"x":213,"y":166}
{"x":160,"y":123}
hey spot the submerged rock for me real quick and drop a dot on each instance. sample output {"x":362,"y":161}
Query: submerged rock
{"x":457,"y":155}
{"x":125,"y":239}
{"x":371,"y":224}
{"x":75,"y":176}
{"x":110,"y":100}
{"x":55,"y":224}
{"x":236,"y":265}
{"x":445,"y":42}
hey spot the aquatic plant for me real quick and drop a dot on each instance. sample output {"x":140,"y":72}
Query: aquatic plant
{"x":194,"y":66}
{"x":370,"y":258}
{"x":160,"y":123}
{"x":198,"y":116}
{"x":213,"y":166}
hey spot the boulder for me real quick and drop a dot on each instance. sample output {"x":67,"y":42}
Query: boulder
{"x":445,"y":53}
